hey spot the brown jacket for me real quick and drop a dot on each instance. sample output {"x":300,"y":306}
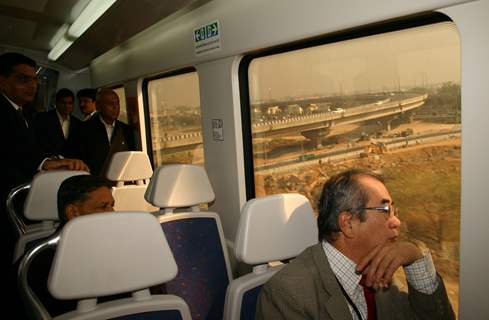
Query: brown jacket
{"x":307,"y":289}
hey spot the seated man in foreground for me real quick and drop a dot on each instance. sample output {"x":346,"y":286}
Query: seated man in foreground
{"x":77,"y":196}
{"x":348,"y":275}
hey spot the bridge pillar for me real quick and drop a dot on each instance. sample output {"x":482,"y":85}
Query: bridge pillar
{"x":316,"y":136}
{"x":408,"y":116}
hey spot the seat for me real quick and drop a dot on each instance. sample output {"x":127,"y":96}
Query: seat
{"x":131,"y":170}
{"x":41,"y":205}
{"x":195,"y":237}
{"x":107,"y":254}
{"x":271,"y":228}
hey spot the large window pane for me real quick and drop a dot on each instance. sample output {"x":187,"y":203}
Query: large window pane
{"x":175,"y":119}
{"x":388,"y":102}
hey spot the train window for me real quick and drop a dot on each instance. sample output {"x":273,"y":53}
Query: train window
{"x":122,"y":102}
{"x":175,"y":119}
{"x":389,"y":102}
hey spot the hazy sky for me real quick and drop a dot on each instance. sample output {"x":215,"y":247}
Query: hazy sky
{"x":419,"y":56}
{"x":181,"y":90}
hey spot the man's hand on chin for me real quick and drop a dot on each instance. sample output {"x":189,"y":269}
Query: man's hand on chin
{"x":380,"y":264}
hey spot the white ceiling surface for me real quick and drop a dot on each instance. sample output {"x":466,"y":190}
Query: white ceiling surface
{"x":34,"y":24}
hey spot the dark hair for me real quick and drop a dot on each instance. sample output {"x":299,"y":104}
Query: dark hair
{"x":76,"y":189}
{"x":87,"y":93}
{"x":11,"y":59}
{"x":341,"y":193}
{"x":65,"y":92}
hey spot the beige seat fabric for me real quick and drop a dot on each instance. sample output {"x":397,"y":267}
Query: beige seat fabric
{"x":131,"y":170}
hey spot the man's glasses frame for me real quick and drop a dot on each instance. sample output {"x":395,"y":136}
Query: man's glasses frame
{"x":388,"y":209}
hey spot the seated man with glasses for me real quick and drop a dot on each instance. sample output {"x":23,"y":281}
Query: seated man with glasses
{"x":348,"y":274}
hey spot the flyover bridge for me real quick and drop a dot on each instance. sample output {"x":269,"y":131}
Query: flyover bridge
{"x":314,"y":126}
{"x":329,"y":119}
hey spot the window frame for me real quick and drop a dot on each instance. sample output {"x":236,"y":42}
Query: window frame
{"x":146,"y":107}
{"x":343,"y":35}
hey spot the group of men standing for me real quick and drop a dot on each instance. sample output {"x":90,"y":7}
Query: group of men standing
{"x":94,"y":138}
{"x":57,"y":134}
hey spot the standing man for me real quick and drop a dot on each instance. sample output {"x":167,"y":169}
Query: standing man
{"x":21,"y":155}
{"x":103,"y":135}
{"x":53,"y":128}
{"x":86,"y":99}
{"x":348,"y":275}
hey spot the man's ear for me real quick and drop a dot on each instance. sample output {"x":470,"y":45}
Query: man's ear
{"x":345,"y":220}
{"x":71,"y":211}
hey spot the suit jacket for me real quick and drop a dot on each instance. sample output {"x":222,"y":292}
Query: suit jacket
{"x":21,"y":152}
{"x":93,"y":147}
{"x":307,"y":289}
{"x":50,"y":134}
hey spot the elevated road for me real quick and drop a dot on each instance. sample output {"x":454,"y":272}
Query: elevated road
{"x":330,"y":119}
{"x":309,"y":125}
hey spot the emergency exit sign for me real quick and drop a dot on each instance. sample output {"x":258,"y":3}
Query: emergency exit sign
{"x":207,"y":38}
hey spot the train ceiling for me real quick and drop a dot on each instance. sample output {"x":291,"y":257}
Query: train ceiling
{"x":33,"y":24}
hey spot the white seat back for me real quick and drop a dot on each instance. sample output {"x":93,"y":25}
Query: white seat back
{"x":112,"y":253}
{"x":131,"y":170}
{"x":285,"y":222}
{"x":179,"y":186}
{"x":41,"y":205}
{"x":271,"y":228}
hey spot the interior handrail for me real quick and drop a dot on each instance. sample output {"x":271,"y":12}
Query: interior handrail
{"x":17,"y":222}
{"x":34,"y":308}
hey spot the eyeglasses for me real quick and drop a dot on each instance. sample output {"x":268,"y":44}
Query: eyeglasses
{"x":24,"y":78}
{"x":388,"y":209}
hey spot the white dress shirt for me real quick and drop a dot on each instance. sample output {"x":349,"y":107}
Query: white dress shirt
{"x":109,"y":128}
{"x":64,"y":123}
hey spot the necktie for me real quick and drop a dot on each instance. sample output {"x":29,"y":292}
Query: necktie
{"x":369,"y":293}
{"x":21,"y":117}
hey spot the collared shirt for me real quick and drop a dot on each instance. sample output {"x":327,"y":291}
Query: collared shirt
{"x":109,"y":128}
{"x":64,"y":123}
{"x":16,"y":107}
{"x":420,"y":274}
{"x":88,"y":116}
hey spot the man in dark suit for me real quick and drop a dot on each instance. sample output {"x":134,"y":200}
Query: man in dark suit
{"x":103,"y":135}
{"x":55,"y":127}
{"x":358,"y":234}
{"x":87,"y":101}
{"x":21,"y":154}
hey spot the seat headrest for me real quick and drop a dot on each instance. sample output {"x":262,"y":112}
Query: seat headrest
{"x":129,"y":166}
{"x":275,"y":227}
{"x":179,"y":186}
{"x":109,"y":253}
{"x":42,"y":200}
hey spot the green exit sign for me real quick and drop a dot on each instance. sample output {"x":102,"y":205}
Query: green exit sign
{"x":206,"y":32}
{"x":207,"y":38}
